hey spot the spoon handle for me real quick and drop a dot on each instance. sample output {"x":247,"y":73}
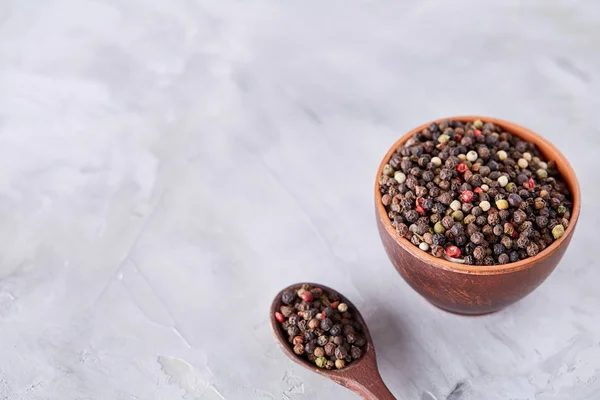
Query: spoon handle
{"x":376,"y":391}
{"x":365,"y":380}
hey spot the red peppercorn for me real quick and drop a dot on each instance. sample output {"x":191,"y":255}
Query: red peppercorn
{"x":453,"y":251}
{"x":297,"y":340}
{"x":478,"y":190}
{"x":467,"y":196}
{"x":458,"y":138}
{"x":530,"y":184}
{"x":307,"y":296}
{"x":335,"y":304}
{"x":515,"y":234}
{"x":420,"y":210}
{"x":279,"y":317}
{"x":462,"y":167}
{"x":477,"y":132}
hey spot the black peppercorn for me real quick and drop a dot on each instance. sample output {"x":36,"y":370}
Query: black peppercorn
{"x":479,"y":253}
{"x":514,"y":256}
{"x":477,"y":237}
{"x":460,"y":240}
{"x":503,"y":258}
{"x":477,"y":211}
{"x":519,"y":216}
{"x":293,"y":330}
{"x":335,"y":330}
{"x":498,"y":230}
{"x":351,"y":338}
{"x":309,"y":348}
{"x":514,"y":200}
{"x":326,"y":324}
{"x":506,"y":242}
{"x":447,"y":222}
{"x":532,"y":249}
{"x":522,"y":242}
{"x":341,"y":352}
{"x":287,"y":297}
{"x":438,"y":239}
{"x":411,"y":216}
{"x":499,"y":249}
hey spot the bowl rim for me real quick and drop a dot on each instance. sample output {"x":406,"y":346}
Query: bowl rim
{"x":564,"y":167}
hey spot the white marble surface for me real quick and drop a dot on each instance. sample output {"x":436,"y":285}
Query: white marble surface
{"x":167,"y":166}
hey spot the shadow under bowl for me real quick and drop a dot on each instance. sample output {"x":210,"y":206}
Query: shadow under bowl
{"x":470,"y":289}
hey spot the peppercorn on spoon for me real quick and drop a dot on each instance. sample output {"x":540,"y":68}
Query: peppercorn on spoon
{"x":361,"y":376}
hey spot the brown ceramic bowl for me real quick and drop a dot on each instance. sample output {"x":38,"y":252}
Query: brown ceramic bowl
{"x":469,"y":289}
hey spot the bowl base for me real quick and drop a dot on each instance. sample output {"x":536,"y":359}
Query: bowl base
{"x":461,"y":313}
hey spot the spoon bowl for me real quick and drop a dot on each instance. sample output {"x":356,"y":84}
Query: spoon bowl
{"x":361,"y":376}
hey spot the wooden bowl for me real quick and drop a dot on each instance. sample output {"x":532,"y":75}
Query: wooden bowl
{"x":470,"y":289}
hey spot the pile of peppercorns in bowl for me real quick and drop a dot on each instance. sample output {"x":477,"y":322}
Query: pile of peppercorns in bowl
{"x":320,"y":327}
{"x":472,"y":193}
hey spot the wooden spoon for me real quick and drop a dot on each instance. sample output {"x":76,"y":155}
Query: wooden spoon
{"x":361,"y":376}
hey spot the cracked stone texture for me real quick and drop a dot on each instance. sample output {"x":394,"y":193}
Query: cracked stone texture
{"x":167,"y":166}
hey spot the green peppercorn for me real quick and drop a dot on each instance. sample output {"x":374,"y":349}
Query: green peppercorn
{"x":439,"y":228}
{"x":477,"y":124}
{"x":458,"y":215}
{"x":510,"y":186}
{"x":541,"y":173}
{"x":321,"y":362}
{"x":561,"y":210}
{"x":558,"y":231}
{"x":502,"y":204}
{"x":388,"y":170}
{"x":443,"y":138}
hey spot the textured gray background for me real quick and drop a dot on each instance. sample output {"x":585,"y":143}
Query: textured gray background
{"x":167,"y":166}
